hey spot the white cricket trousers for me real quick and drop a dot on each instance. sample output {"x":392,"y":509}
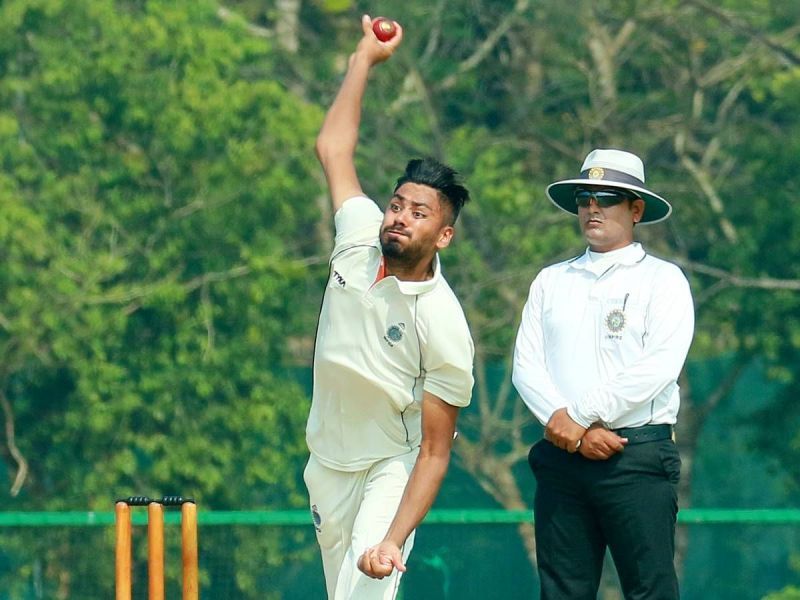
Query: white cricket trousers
{"x":352,"y":511}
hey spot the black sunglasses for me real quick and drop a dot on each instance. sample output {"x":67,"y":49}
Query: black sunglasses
{"x":604,"y":198}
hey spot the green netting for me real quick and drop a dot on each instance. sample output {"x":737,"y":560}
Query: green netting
{"x":460,"y":554}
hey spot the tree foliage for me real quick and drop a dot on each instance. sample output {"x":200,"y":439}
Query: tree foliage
{"x":152,"y":176}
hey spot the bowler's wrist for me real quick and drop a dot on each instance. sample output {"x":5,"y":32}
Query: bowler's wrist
{"x":359,"y":58}
{"x":394,"y":538}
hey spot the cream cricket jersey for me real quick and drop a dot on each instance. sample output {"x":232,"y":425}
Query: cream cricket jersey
{"x":606,"y":336}
{"x":379,"y":345}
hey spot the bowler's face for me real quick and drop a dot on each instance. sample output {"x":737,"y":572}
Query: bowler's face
{"x":415,"y":224}
{"x":609,"y":228}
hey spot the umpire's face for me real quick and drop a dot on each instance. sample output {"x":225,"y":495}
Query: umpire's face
{"x":609,"y":227}
{"x":415,"y":224}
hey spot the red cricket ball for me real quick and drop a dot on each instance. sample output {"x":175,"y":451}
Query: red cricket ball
{"x":384,"y":28}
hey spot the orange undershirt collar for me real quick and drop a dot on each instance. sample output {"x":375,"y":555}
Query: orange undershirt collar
{"x":381,"y":270}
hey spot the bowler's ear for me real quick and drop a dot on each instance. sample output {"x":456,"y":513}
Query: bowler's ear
{"x":445,"y":237}
{"x":637,"y":208}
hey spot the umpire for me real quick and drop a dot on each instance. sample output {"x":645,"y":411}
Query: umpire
{"x":602,"y":340}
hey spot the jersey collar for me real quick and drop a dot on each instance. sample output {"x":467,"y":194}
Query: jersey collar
{"x":595,"y":261}
{"x":413,"y":288}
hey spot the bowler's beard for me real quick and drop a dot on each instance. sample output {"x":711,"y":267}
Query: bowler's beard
{"x":407,"y":256}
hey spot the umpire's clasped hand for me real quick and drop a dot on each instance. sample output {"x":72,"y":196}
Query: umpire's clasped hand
{"x":563,"y":432}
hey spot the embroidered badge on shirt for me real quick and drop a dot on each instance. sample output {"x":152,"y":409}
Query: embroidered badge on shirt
{"x":394,"y":334}
{"x":615,"y":322}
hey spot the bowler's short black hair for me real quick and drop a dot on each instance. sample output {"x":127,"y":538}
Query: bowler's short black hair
{"x":444,"y":179}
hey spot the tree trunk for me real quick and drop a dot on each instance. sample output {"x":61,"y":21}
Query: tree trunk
{"x":287,"y":24}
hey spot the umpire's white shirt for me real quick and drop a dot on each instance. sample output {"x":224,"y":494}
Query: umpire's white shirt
{"x":605,"y":335}
{"x":379,"y":345}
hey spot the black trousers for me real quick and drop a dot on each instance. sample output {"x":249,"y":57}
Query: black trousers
{"x":627,"y":504}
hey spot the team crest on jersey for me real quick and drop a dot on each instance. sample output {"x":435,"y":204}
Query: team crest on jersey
{"x":315,"y":516}
{"x":615,"y":321}
{"x":394,"y":333}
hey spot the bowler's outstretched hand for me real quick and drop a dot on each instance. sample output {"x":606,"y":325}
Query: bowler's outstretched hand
{"x":376,"y":50}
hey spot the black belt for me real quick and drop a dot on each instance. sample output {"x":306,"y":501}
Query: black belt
{"x":645,"y":433}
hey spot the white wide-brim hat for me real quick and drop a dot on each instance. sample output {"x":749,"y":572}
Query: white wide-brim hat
{"x":611,"y":169}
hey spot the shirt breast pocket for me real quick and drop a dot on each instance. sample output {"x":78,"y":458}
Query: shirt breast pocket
{"x":622,"y":324}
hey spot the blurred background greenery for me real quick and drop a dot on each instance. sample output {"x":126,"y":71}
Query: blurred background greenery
{"x":164,"y":230}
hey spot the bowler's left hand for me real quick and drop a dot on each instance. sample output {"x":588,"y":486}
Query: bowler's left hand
{"x":377,"y":562}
